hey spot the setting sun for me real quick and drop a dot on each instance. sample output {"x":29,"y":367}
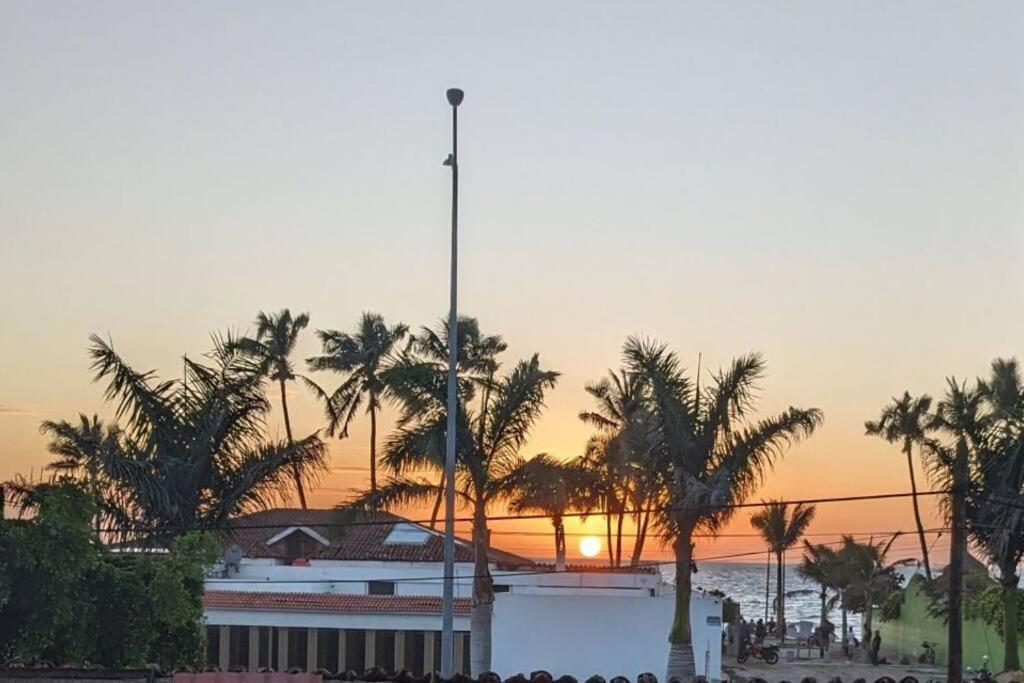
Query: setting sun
{"x":590,"y":546}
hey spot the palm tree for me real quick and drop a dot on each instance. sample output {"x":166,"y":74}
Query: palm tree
{"x":904,"y":421}
{"x":190,"y":453}
{"x":960,"y":417}
{"x":716,"y":453}
{"x":621,"y":458}
{"x":997,"y":512}
{"x":819,"y":564}
{"x":871,"y":577}
{"x":276,"y":334}
{"x":781,"y":529}
{"x":476,"y":362}
{"x":488,"y":465}
{"x":552,"y":488}
{"x":363,"y":358}
{"x":81,"y":448}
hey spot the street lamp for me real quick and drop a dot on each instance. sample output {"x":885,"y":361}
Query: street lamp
{"x":448,"y":600}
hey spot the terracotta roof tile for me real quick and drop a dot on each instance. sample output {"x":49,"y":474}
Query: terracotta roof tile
{"x":340,"y":603}
{"x":362,"y":541}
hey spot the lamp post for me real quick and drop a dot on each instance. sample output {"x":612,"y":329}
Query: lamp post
{"x":448,"y":600}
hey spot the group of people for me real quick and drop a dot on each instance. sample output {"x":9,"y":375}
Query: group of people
{"x":748,"y":632}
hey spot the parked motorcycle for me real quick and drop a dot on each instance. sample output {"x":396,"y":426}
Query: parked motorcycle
{"x":769,"y":653}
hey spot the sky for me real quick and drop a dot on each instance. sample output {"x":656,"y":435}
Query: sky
{"x":835,"y":185}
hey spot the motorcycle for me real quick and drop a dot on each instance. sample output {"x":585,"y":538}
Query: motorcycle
{"x":769,"y":653}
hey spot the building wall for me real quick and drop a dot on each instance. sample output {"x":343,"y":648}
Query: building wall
{"x":616,"y":635}
{"x":905,"y":635}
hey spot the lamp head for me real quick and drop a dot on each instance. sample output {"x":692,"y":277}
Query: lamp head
{"x":455,"y":96}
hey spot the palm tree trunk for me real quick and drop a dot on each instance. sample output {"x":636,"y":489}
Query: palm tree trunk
{"x":618,"y":537}
{"x":437,"y":501}
{"x":869,"y":613}
{"x":608,"y":533}
{"x":917,"y":515}
{"x":780,"y":597}
{"x":483,"y":594}
{"x":681,"y":664}
{"x":559,"y":544}
{"x":1011,"y":657}
{"x":641,"y":539}
{"x":373,"y":444}
{"x":296,"y":473}
{"x":823,"y":621}
{"x":957,"y":551}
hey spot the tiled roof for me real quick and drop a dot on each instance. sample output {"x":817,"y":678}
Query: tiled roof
{"x":339,"y":603}
{"x":363,"y":540}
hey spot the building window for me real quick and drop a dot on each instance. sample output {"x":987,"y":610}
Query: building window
{"x":238,"y":646}
{"x":415,"y":642}
{"x":268,"y":647}
{"x":213,"y":645}
{"x":381,"y":588}
{"x":501,"y":588}
{"x":327,"y":648}
{"x":355,"y":650}
{"x":465,"y":652}
{"x":297,"y":642}
{"x":384,"y":650}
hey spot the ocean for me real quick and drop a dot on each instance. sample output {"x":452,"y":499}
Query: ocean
{"x":745,"y":583}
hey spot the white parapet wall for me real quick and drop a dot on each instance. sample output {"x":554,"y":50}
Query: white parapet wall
{"x":606,"y":634}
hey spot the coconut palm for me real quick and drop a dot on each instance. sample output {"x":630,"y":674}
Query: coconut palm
{"x":191,"y":453}
{"x":621,"y":459}
{"x":81,"y":448}
{"x":553,"y":488}
{"x":904,"y":421}
{"x":270,"y":349}
{"x":819,"y":564}
{"x":871,"y":577}
{"x":362,"y":358}
{"x":488,"y":465}
{"x":716,"y":452}
{"x":781,"y":526}
{"x":997,"y":512}
{"x":476,"y":362}
{"x":957,"y":429}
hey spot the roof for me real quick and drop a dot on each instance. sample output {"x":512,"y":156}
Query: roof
{"x":361,"y":540}
{"x":336,"y":603}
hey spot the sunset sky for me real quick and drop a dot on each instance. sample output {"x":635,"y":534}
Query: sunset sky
{"x":836,"y":185}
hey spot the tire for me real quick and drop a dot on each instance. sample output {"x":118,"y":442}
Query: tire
{"x":742,"y":657}
{"x":771,"y":657}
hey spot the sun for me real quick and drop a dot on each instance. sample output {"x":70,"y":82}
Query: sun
{"x":590,"y":546}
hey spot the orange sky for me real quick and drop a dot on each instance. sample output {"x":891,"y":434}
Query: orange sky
{"x":836,"y":186}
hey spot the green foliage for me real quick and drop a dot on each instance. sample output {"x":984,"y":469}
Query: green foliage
{"x":989,"y":607}
{"x":61,"y":587}
{"x":890,"y":610}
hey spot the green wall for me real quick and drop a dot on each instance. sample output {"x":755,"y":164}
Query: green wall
{"x":905,"y":635}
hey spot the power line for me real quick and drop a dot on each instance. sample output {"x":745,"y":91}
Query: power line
{"x":500,"y":518}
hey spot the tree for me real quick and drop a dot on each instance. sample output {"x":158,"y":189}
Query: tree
{"x":996,"y":512}
{"x":716,"y":453}
{"x":904,"y":421}
{"x":488,"y":440}
{"x":781,"y":529}
{"x":871,"y":578}
{"x":270,"y":349}
{"x":362,"y":358}
{"x":820,"y":565}
{"x":81,"y":449}
{"x":621,"y":459}
{"x":960,"y":418}
{"x":190,"y":453}
{"x":64,"y":587}
{"x":552,"y":488}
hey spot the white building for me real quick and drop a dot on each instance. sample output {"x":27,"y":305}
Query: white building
{"x":305,"y":592}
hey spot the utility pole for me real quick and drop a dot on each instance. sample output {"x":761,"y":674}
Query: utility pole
{"x":957,"y":553}
{"x":448,"y":595}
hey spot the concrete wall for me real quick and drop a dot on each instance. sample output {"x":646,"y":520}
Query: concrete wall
{"x":914,"y":626}
{"x":613,"y":635}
